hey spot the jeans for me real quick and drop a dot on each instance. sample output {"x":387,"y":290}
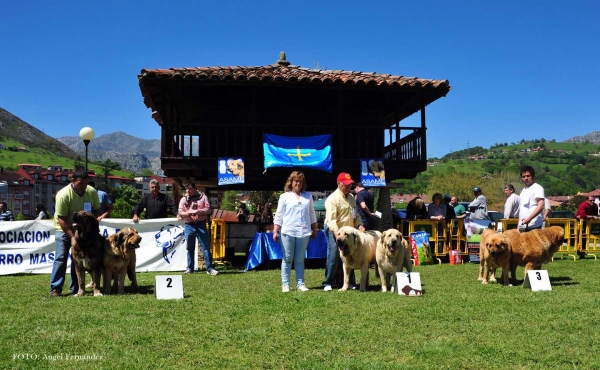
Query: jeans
{"x":193,"y":231}
{"x":334,"y":273}
{"x":294,"y":250}
{"x":59,"y":267}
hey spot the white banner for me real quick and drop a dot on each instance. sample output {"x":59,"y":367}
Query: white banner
{"x":28,"y":246}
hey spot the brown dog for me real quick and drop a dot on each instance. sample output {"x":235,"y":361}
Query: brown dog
{"x":376,"y":169}
{"x":357,"y":251}
{"x":393,"y":253}
{"x":119,"y":249}
{"x":88,"y":251}
{"x":236,"y":167}
{"x":494,"y":252}
{"x":534,"y":248}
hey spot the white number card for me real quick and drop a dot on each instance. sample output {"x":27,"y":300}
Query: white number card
{"x":169,"y":287}
{"x":537,"y":280}
{"x":408,"y":284}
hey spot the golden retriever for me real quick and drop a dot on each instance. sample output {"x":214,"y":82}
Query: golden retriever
{"x":534,"y":248}
{"x":376,"y":169}
{"x":393,"y":253}
{"x":494,"y":252}
{"x":119,"y":249}
{"x":357,"y":251}
{"x":236,"y":167}
{"x":88,"y":250}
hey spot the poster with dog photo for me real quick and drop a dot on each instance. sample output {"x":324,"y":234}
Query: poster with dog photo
{"x":372,"y":172}
{"x":474,"y":230}
{"x":231,"y":171}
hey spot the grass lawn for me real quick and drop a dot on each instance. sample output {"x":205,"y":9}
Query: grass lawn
{"x":242,"y":321}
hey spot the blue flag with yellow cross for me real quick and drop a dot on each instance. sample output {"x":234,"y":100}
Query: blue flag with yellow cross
{"x":306,"y":151}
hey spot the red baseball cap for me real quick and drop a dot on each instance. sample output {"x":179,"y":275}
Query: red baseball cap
{"x":345,"y":178}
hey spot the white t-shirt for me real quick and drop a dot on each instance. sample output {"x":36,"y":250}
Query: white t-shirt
{"x":528,"y":201}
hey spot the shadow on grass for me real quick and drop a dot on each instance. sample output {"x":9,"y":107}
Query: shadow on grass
{"x":562,"y":281}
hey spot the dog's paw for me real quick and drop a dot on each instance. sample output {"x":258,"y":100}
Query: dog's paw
{"x":97,"y":294}
{"x":493,"y":279}
{"x":484,"y":282}
{"x":383,"y":290}
{"x":343,"y":289}
{"x":480,"y":278}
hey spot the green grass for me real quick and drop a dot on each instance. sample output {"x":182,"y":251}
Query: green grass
{"x":242,"y":320}
{"x":10,"y":159}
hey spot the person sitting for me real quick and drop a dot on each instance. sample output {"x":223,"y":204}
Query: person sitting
{"x":437,"y":209}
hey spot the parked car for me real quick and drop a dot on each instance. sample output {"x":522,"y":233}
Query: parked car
{"x":563,"y":213}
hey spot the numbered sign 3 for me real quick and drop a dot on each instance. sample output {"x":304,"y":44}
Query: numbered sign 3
{"x":537,"y":280}
{"x":408,"y":284}
{"x":169,"y":287}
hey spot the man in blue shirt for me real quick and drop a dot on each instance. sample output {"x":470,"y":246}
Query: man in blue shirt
{"x":106,"y":205}
{"x":365,"y":206}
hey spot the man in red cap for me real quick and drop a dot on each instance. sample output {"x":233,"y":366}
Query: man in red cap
{"x":340,"y":211}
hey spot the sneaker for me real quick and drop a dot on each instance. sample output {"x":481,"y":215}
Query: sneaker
{"x":302,"y":288}
{"x":285,"y":288}
{"x":187,"y":272}
{"x":212,"y":271}
{"x":327,"y":288}
{"x":352,"y":287}
{"x":54,"y":293}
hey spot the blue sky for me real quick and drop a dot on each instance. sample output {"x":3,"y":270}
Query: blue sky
{"x":518,"y":69}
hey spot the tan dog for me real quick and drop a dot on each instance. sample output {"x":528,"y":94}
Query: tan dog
{"x":236,"y":167}
{"x":119,"y":249}
{"x":357,"y":251}
{"x":393,"y":252}
{"x":494,"y":252}
{"x":88,"y":251}
{"x":534,"y":248}
{"x":376,"y":169}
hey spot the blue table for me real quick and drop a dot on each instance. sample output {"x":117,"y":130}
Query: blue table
{"x":264,"y":247}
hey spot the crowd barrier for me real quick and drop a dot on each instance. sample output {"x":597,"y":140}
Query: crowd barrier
{"x":217,"y":241}
{"x":581,"y":236}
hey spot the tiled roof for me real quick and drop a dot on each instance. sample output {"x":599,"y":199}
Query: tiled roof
{"x":293,"y":74}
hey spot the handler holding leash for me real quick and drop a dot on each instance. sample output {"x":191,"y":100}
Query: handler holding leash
{"x":340,"y":211}
{"x":77,"y":196}
{"x":531,"y":201}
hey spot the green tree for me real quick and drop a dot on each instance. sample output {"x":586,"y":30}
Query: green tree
{"x":122,"y":209}
{"x":230,"y":200}
{"x":78,"y":163}
{"x":128,"y":194}
{"x":260,"y":198}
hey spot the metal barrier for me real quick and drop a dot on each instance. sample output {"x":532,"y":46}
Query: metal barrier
{"x":217,"y":241}
{"x":571,"y":242}
{"x":457,"y":239}
{"x":508,"y":224}
{"x":437,"y":235}
{"x":589,"y":237}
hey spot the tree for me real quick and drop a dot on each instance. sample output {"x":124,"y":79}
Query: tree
{"x":125,"y":201}
{"x":230,"y":200}
{"x":258,"y":199}
{"x":78,"y":163}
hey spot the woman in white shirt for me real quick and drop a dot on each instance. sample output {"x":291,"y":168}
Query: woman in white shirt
{"x":295,"y":219}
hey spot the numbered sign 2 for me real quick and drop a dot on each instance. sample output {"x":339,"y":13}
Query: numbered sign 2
{"x":537,"y":280}
{"x":408,"y":284}
{"x":169,"y":287}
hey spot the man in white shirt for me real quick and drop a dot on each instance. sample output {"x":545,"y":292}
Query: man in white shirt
{"x":531,"y":201}
{"x":511,"y":207}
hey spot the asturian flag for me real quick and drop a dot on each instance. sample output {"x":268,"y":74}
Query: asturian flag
{"x":308,"y":151}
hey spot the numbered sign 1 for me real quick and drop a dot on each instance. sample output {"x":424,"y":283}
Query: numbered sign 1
{"x":408,"y":284}
{"x":537,"y":280}
{"x":169,"y":287}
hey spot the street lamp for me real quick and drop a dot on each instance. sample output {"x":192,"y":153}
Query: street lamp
{"x":86,"y":134}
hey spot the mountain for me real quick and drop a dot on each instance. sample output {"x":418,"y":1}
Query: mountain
{"x":16,"y":129}
{"x":132,"y":153}
{"x":592,"y":138}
